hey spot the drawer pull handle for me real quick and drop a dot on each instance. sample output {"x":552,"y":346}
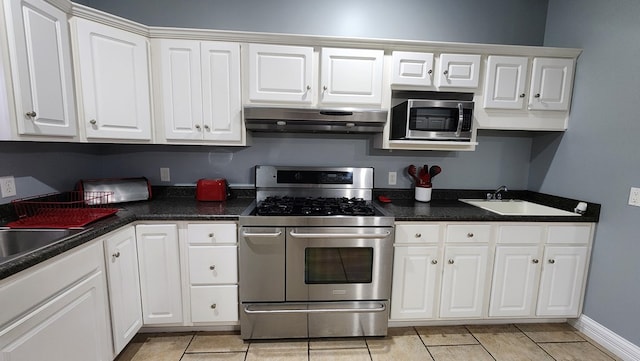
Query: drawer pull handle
{"x":470,"y":235}
{"x":212,"y":267}
{"x":418,"y":235}
{"x":211,"y":235}
{"x":213,"y":306}
{"x":552,"y":261}
{"x":434,"y":261}
{"x":451,"y":261}
{"x":535,"y":261}
{"x":31,"y":114}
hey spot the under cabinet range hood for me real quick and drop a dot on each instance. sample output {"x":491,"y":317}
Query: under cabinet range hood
{"x":309,"y":120}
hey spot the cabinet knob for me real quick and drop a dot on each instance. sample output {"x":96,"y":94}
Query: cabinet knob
{"x":211,"y":235}
{"x":324,"y":88}
{"x":116,"y":254}
{"x":31,"y":114}
{"x":212,"y":267}
{"x":213,"y":306}
{"x":206,"y":127}
{"x":434,"y":261}
{"x":537,"y":96}
{"x":469,"y":235}
{"x":198,"y":126}
{"x":430,"y":72}
{"x":522,"y":95}
{"x":93,"y":122}
{"x":308,"y":87}
{"x":418,"y":235}
{"x":535,"y":261}
{"x":446,"y":72}
{"x":451,"y":261}
{"x":552,"y":261}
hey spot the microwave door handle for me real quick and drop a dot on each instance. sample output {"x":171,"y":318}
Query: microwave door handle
{"x":460,"y":120}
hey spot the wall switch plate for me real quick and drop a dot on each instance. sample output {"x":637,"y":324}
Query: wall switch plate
{"x":634,"y":197}
{"x":8,"y":186}
{"x":393,"y":178}
{"x":165,"y":175}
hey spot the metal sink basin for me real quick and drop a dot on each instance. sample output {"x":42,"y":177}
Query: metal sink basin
{"x":516,"y":207}
{"x":18,"y":242}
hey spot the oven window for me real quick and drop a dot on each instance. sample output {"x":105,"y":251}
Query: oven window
{"x":338,"y":265}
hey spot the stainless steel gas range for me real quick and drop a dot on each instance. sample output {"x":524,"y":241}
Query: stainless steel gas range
{"x":315,"y":255}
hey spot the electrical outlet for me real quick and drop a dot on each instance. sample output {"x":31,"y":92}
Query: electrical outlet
{"x":393,"y":178}
{"x":634,"y":197}
{"x":8,"y":186}
{"x":165,"y":175}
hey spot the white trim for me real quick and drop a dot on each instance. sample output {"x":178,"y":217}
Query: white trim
{"x":613,"y":342}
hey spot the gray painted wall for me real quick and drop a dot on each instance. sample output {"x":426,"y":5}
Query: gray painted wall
{"x":598,"y":159}
{"x":489,"y":21}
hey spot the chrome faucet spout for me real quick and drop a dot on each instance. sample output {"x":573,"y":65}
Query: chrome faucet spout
{"x":497,"y":193}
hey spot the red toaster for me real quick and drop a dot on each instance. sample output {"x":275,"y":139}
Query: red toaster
{"x":211,"y":189}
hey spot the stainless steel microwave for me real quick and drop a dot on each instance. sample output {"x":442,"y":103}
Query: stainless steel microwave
{"x":426,"y":119}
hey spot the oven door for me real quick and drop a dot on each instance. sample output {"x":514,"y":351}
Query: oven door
{"x":338,"y":263}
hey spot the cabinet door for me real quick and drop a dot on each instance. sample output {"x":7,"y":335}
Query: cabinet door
{"x":410,"y":68}
{"x":463,"y":281}
{"x":351,"y":76}
{"x":114,"y":78}
{"x":415,"y":275}
{"x":181,"y":88}
{"x":280,"y":73}
{"x":504,"y":86}
{"x":459,"y":70}
{"x":40,"y":54}
{"x":159,"y":264}
{"x":121,"y":258}
{"x":551,"y":83}
{"x":562,"y":281}
{"x":69,"y":327}
{"x":220,"y":64}
{"x":514,"y":281}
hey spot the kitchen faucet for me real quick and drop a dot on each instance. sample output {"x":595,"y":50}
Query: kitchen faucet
{"x":496,"y":194}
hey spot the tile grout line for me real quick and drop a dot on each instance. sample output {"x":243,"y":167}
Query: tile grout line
{"x":193,"y":335}
{"x":479,"y":343}
{"x":534,"y":342}
{"x":422,"y":341}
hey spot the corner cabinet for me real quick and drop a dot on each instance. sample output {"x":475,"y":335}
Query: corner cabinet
{"x":551,"y":84}
{"x":289,"y":75}
{"x":112,"y":71}
{"x":121,"y":259}
{"x":41,"y":68}
{"x":198,"y":91}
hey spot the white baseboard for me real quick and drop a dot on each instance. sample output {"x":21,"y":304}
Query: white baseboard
{"x":613,"y":342}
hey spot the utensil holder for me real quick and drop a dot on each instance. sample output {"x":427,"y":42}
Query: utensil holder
{"x":423,"y":194}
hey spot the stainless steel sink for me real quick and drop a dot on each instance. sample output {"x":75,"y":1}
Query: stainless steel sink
{"x":18,"y":242}
{"x":516,"y":207}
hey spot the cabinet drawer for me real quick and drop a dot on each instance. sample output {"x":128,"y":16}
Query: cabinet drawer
{"x":569,"y":234}
{"x":417,"y":233}
{"x":520,"y":234}
{"x":213,"y":264}
{"x":214,"y":303}
{"x":211,"y":233}
{"x":468,"y":233}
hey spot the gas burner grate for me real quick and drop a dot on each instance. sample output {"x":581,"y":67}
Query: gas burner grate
{"x":318,"y":206}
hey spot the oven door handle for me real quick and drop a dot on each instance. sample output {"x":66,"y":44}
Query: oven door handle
{"x":265,"y":235}
{"x":265,"y":310}
{"x":340,"y":235}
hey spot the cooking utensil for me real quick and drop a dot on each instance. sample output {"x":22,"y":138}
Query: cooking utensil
{"x":434,"y":171}
{"x":412,"y":172}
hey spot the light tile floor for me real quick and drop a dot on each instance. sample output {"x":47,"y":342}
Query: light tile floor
{"x":527,"y":342}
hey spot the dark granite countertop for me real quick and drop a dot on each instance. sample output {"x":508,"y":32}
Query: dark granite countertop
{"x":179,"y":204}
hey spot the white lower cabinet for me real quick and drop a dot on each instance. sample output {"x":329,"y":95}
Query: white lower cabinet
{"x":121,"y":258}
{"x":515,"y":275}
{"x":463,"y":281}
{"x":61,"y":318}
{"x":562,"y":281}
{"x":160,"y":282}
{"x":213,"y":272}
{"x":416,"y":272}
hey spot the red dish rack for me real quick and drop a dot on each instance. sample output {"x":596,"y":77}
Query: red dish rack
{"x":62,"y":210}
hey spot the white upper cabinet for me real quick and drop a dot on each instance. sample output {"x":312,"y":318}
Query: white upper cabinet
{"x":458,"y":71}
{"x":199,"y":95}
{"x":288,"y":74}
{"x":40,"y":55}
{"x":411,"y":68}
{"x":551,"y":84}
{"x":279,"y":73}
{"x":351,"y":76}
{"x":505,"y":82}
{"x":112,"y":66}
